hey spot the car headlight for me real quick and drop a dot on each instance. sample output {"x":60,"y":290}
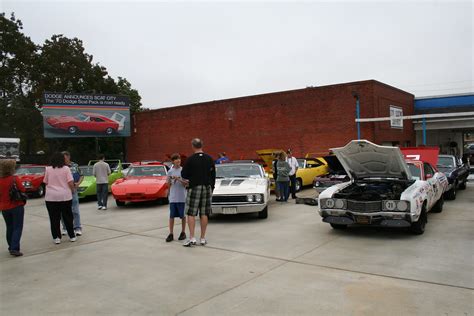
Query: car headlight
{"x":340,"y":203}
{"x":334,"y":203}
{"x":250,"y":198}
{"x":317,"y":184}
{"x":395,"y":206}
{"x":258,"y":198}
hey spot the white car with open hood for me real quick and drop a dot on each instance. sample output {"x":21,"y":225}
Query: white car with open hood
{"x":241,"y":188}
{"x":381,"y":190}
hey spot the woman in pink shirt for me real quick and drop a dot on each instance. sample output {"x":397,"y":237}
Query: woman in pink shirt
{"x":59,"y":187}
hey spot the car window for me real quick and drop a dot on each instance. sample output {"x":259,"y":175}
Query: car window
{"x":86,"y":170}
{"x":82,"y":117}
{"x":428,"y":170}
{"x":415,"y":171}
{"x":300,"y":163}
{"x":239,"y":171}
{"x":446,"y":162}
{"x":312,"y":163}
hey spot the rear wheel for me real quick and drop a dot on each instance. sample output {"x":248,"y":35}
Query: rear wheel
{"x":109,"y":130}
{"x":299,"y":185}
{"x":119,"y":203}
{"x":418,"y":227}
{"x":462,"y":186}
{"x":72,"y":129}
{"x":263,"y":213}
{"x":338,"y":226}
{"x":438,"y":207}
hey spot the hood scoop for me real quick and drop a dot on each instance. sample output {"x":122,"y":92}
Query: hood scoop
{"x":231,"y":182}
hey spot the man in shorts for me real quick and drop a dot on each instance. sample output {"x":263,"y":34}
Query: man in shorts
{"x":200,"y":172}
{"x":177,"y":197}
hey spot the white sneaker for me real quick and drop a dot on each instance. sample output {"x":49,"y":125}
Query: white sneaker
{"x":78,"y":231}
{"x":64,"y":232}
{"x":203,"y":241}
{"x":104,"y":208}
{"x":190,"y":242}
{"x":73,"y":239}
{"x":57,"y":240}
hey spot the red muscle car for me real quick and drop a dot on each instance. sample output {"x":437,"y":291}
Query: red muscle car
{"x":86,"y":122}
{"x":31,"y":179}
{"x":142,"y":183}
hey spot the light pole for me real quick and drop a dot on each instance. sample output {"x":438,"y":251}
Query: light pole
{"x":356,"y":96}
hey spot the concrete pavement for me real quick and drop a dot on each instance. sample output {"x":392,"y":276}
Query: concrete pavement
{"x":288,"y":264}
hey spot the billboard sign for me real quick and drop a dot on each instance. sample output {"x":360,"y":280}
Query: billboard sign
{"x":85,"y":115}
{"x":396,"y":120}
{"x":10,"y":148}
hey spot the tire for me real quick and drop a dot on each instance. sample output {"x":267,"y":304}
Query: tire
{"x":438,"y":207}
{"x":338,"y":226}
{"x":462,"y":186}
{"x":418,"y":227}
{"x":41,"y":191}
{"x":299,"y":185}
{"x":263,"y":213}
{"x":72,"y":129}
{"x":119,"y":203}
{"x":451,"y":194}
{"x":109,"y":130}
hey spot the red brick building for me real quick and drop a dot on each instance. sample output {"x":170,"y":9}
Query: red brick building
{"x":309,"y":120}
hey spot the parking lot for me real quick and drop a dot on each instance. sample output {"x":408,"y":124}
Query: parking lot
{"x":288,"y":264}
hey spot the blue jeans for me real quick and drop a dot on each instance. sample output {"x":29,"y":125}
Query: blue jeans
{"x":14,"y":221}
{"x":75,"y":212}
{"x":102,"y":194}
{"x":284,"y":189}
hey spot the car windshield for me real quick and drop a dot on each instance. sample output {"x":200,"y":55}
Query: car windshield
{"x":415,"y":171}
{"x":445,"y":162}
{"x":30,"y":170}
{"x":82,"y":117}
{"x":86,"y":170}
{"x":154,"y":171}
{"x":238,"y":171}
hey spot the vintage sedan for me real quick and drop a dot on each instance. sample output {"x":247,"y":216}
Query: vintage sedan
{"x":308,"y":169}
{"x":456,"y":171}
{"x":88,"y":122}
{"x":382,"y":190}
{"x":88,"y":186}
{"x":241,"y":188}
{"x":31,"y":179}
{"x":142,"y":183}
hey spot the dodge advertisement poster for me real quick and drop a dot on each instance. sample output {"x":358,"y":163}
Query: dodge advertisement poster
{"x":85,"y":115}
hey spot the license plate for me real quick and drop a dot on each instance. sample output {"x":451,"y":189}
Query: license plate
{"x":362,"y":219}
{"x":229,"y":210}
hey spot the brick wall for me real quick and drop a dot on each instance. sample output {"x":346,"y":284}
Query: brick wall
{"x":306,"y":120}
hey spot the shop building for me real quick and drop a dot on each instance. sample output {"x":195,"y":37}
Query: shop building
{"x":309,"y":120}
{"x":449,"y":123}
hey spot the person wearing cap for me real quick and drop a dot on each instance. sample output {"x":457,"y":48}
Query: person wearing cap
{"x":294,"y":168}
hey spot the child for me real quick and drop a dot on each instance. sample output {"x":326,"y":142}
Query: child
{"x":177,"y":197}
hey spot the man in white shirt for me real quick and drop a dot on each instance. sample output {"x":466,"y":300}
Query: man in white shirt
{"x":294,"y":168}
{"x":101,"y":172}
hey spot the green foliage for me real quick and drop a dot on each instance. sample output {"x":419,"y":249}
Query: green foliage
{"x":59,"y":65}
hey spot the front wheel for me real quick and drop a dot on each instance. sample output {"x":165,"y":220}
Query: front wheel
{"x":263,"y":213}
{"x":462,"y":186}
{"x":119,"y":203}
{"x":40,"y":191}
{"x":451,"y":194}
{"x":418,"y":227}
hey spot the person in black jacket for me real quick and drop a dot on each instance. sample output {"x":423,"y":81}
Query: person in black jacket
{"x":200,"y":173}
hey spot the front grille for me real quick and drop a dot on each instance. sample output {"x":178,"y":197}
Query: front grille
{"x":229,"y":199}
{"x":364,"y":206}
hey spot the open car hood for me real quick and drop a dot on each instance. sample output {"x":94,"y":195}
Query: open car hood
{"x":362,"y":160}
{"x":267,"y":155}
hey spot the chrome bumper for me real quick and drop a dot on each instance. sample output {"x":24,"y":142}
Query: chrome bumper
{"x":240,"y":208}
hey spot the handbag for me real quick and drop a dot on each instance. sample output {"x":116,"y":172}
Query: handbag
{"x":16,"y":194}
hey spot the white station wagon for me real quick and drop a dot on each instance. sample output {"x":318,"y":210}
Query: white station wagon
{"x":241,"y":188}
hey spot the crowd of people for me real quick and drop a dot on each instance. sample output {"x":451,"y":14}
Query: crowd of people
{"x":190,"y":192}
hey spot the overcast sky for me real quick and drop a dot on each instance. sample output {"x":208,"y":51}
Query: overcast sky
{"x":177,"y":53}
